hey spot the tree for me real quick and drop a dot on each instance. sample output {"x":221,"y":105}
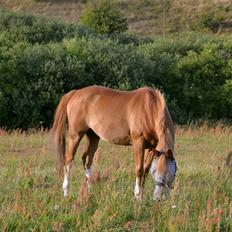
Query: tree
{"x":104,"y":17}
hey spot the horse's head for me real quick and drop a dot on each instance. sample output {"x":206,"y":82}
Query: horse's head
{"x":163,"y":170}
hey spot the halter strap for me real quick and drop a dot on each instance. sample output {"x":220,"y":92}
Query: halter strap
{"x":159,"y":183}
{"x":160,"y":152}
{"x":163,"y":184}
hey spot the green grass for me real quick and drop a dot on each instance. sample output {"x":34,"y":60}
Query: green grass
{"x":31,"y":198}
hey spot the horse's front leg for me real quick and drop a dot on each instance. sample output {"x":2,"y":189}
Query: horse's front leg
{"x":139,"y":157}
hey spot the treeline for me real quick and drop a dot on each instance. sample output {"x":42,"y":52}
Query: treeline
{"x":40,"y":60}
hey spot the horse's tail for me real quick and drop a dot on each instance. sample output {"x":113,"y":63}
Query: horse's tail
{"x":58,"y":131}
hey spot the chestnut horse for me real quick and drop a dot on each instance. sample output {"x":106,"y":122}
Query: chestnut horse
{"x":139,"y":118}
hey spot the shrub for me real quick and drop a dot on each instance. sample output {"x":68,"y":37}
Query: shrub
{"x":127,"y":38}
{"x":47,"y":60}
{"x":23,"y":27}
{"x":109,"y":63}
{"x":104,"y":17}
{"x":212,"y":19}
{"x":38,"y":76}
{"x":194,"y":73}
{"x":203,"y":76}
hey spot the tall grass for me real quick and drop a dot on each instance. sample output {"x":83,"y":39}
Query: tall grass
{"x":31,"y":198}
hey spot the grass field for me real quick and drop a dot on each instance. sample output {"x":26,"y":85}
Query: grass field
{"x":31,"y":198}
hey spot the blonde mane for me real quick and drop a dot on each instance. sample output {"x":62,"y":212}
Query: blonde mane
{"x":165,"y":136}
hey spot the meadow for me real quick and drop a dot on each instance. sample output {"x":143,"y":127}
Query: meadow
{"x":31,"y":197}
{"x":52,"y":57}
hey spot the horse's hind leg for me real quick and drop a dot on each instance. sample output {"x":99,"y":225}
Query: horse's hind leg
{"x":73,"y":144}
{"x":89,"y":151}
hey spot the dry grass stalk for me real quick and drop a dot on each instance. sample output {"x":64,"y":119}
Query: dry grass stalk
{"x":84,"y":195}
{"x":97,"y":155}
{"x":98,"y":177}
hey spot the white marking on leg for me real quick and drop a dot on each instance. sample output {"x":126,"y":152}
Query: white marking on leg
{"x":66,"y":182}
{"x":88,"y":174}
{"x":138,"y":192}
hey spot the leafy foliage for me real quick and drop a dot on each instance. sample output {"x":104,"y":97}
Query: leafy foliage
{"x":194,"y":71}
{"x":104,"y":17}
{"x":212,"y":19}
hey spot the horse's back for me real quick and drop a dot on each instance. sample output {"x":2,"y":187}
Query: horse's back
{"x":101,"y":109}
{"x":106,"y":111}
{"x":105,"y":100}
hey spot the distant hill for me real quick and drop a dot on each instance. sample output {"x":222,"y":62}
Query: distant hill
{"x":145,"y":17}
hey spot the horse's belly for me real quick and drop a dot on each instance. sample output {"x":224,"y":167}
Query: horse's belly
{"x":119,"y":135}
{"x":123,"y":140}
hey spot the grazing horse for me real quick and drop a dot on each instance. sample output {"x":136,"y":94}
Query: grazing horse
{"x":139,"y":118}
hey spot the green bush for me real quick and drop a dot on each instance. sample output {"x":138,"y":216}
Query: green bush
{"x":39,"y":65}
{"x":212,"y":19}
{"x":193,"y":73}
{"x":35,"y":78}
{"x":104,"y":17}
{"x":23,"y":27}
{"x":109,"y":63}
{"x":48,"y":71}
{"x":127,"y":38}
{"x":204,"y":75}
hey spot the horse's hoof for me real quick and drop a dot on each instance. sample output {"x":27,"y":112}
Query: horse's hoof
{"x":138,"y":197}
{"x":155,"y":198}
{"x":65,"y":193}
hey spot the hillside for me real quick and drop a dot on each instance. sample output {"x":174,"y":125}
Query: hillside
{"x":145,"y":17}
